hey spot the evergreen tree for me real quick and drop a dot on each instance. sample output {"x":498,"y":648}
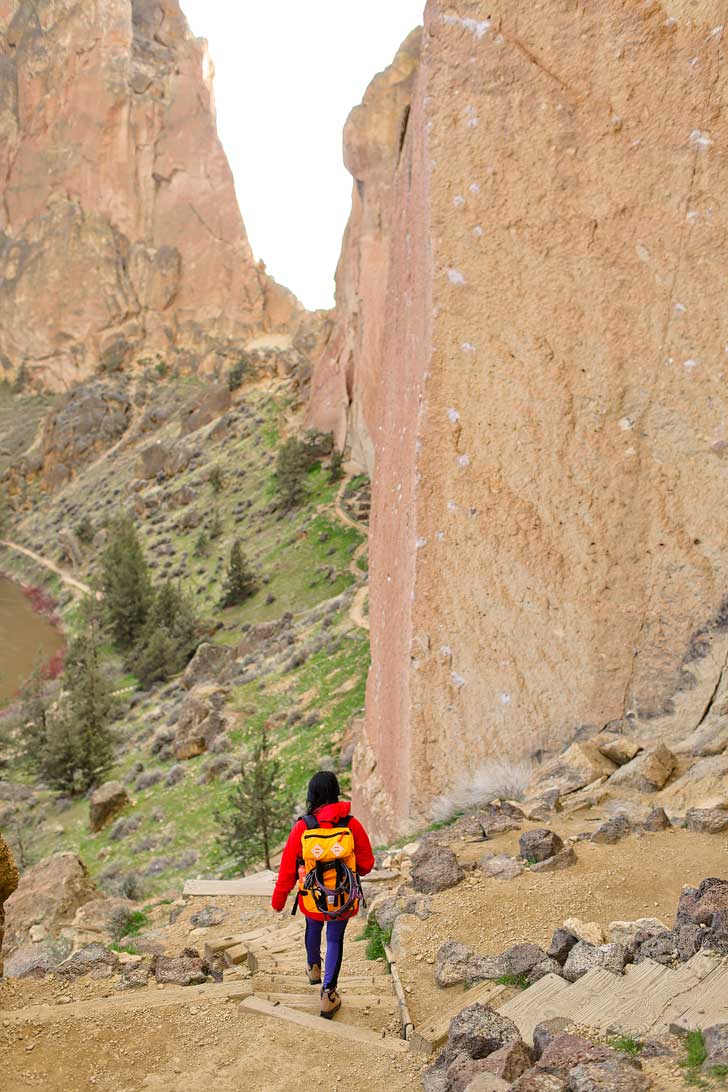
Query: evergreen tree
{"x":291,"y":469}
{"x":217,"y":479}
{"x":169,"y":636}
{"x":125,"y":583}
{"x":258,"y":809}
{"x":336,"y":467}
{"x":240,"y":582}
{"x":215,"y":528}
{"x":34,"y":717}
{"x":79,"y":740}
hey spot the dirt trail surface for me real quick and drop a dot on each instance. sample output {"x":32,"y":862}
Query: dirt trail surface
{"x":357,"y":611}
{"x":66,"y":577}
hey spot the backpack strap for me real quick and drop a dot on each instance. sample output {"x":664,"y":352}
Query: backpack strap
{"x":310,"y":820}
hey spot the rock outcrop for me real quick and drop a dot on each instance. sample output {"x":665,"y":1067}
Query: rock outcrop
{"x":46,"y":901}
{"x":548,"y":409}
{"x":120,"y":234}
{"x":8,"y":883}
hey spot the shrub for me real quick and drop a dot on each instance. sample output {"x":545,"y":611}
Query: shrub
{"x":239,"y":372}
{"x":291,"y":469}
{"x":240,"y":582}
{"x":85,"y":531}
{"x":336,"y":467}
{"x":217,"y":479}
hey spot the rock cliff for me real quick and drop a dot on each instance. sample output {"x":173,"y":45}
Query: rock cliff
{"x":546,"y":406}
{"x":120,"y":234}
{"x":8,"y":883}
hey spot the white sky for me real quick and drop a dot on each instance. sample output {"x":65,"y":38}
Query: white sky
{"x":287,"y":74}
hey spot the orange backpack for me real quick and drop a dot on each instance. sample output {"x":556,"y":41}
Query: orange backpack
{"x":328,"y":883}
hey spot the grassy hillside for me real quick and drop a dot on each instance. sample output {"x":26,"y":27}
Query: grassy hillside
{"x":305,"y":683}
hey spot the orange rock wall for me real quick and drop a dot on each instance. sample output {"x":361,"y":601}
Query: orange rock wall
{"x":549,"y":511}
{"x":120,"y":234}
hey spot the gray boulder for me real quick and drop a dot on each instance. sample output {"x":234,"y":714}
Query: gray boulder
{"x":657,"y":820}
{"x":210,"y":916}
{"x":94,"y":959}
{"x":612,"y":1075}
{"x":538,"y":845}
{"x":716,"y":1043}
{"x":561,"y":944}
{"x":435,"y":868}
{"x":707,"y":820}
{"x":183,"y":970}
{"x":548,"y":1030}
{"x":451,"y":963}
{"x":612,"y":830}
{"x":583,"y":957}
{"x":479,"y":1031}
{"x":565,"y":858}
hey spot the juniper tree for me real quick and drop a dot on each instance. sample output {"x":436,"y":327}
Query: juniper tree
{"x":169,"y":636}
{"x":34,"y":717}
{"x":125,"y":583}
{"x":79,"y":740}
{"x":257,"y":810}
{"x":240,"y":582}
{"x":291,"y":468}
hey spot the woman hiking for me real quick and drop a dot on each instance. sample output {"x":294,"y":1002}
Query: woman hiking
{"x":326,"y":853}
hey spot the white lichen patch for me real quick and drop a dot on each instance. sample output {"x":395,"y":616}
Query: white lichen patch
{"x":453,"y":416}
{"x":680,"y":308}
{"x":474,"y":187}
{"x":458,"y":680}
{"x":421,"y":543}
{"x":626,"y":423}
{"x":458,"y":201}
{"x":455,"y":277}
{"x":690,"y":364}
{"x":463,"y":460}
{"x":504,"y":698}
{"x":468,"y":347}
{"x":477,"y":231}
{"x":478,"y":27}
{"x":701,"y":138}
{"x":692,"y":216}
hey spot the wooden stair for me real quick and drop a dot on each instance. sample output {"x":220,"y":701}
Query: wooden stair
{"x":648,"y":998}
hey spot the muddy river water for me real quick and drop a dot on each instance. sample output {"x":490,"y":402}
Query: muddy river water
{"x":25,"y":638}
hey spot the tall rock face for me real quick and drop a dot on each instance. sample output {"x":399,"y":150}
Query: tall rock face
{"x":120,"y":234}
{"x":551,"y":425}
{"x":345,"y":390}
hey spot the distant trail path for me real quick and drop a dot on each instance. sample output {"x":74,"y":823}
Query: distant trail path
{"x":357,"y":610}
{"x":77,"y":585}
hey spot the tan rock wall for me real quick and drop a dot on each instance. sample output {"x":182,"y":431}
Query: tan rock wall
{"x":549,"y":510}
{"x":120,"y":234}
{"x":8,"y":882}
{"x":346,"y":389}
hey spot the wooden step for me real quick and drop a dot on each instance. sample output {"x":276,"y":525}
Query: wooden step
{"x":347,"y":983}
{"x":355,"y":1001}
{"x":335,"y":1028}
{"x":707,"y":1004}
{"x":148,"y":998}
{"x":260,"y":886}
{"x":539,"y":1002}
{"x":428,"y":1037}
{"x":263,"y":963}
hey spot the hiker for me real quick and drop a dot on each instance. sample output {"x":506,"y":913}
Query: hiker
{"x":326,"y":853}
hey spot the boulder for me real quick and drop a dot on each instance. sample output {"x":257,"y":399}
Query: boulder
{"x":716,"y":1043}
{"x":106,"y":803}
{"x":34,"y":960}
{"x":589,"y":931}
{"x":538,"y":845}
{"x":96,"y":917}
{"x":522,"y":958}
{"x":478,"y":1031}
{"x":583,"y":957}
{"x":499,"y":866}
{"x":49,"y":893}
{"x":406,"y":928}
{"x":709,"y":739}
{"x":548,"y":1030}
{"x":562,"y":941}
{"x":707,"y":820}
{"x":627,"y":932}
{"x":208,"y":917}
{"x":535,"y":1080}
{"x":612,"y":830}
{"x":151,"y":461}
{"x":661,"y":948}
{"x":619,"y":749}
{"x":565,"y":858}
{"x":200,"y":721}
{"x":648,"y":772}
{"x":71,"y":545}
{"x":206,"y":664}
{"x":710,"y":898}
{"x":451,"y":963}
{"x":656,"y":820}
{"x":611,"y":1075}
{"x":435,"y":868}
{"x":510,"y":1061}
{"x":387,"y":908}
{"x":94,"y":959}
{"x":579,"y":765}
{"x":9,"y":878}
{"x":703,"y":785}
{"x":565,"y":1051}
{"x":209,"y":404}
{"x":487,"y":1082}
{"x":183,"y":970}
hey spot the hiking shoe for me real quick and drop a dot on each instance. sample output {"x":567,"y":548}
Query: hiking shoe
{"x":313,"y":970}
{"x":330,"y":1003}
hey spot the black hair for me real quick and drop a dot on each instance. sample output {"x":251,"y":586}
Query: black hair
{"x":323,"y":788}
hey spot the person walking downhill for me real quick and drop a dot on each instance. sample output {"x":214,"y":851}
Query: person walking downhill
{"x":327,"y":852}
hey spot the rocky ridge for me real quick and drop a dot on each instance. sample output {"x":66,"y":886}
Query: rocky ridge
{"x":146,"y":254}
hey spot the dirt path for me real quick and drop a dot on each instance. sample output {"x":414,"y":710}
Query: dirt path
{"x":66,"y":577}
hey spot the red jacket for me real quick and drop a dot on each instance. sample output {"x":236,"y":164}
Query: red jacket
{"x":330,"y":815}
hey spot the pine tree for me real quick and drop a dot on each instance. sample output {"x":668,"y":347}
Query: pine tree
{"x":291,"y":469}
{"x":79,"y":741}
{"x":125,"y":583}
{"x":336,"y":467}
{"x":240,"y":581}
{"x":169,"y":636}
{"x":257,"y":810}
{"x":34,"y":716}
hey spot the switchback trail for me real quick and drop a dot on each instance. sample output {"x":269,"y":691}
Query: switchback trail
{"x":357,"y":611}
{"x":66,"y":577}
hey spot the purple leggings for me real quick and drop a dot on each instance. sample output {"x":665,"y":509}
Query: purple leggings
{"x":334,"y":948}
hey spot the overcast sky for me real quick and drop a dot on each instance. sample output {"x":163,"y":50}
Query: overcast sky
{"x":287,"y":74}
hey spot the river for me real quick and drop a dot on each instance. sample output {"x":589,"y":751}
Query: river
{"x":25,"y":638}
